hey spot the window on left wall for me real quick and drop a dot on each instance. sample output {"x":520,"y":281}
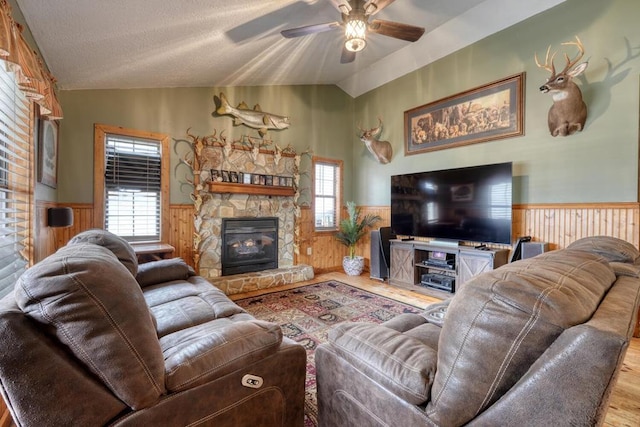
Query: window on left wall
{"x":132,"y":182}
{"x":15,"y":180}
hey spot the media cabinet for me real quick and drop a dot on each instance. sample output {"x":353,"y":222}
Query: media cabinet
{"x":439,"y":270}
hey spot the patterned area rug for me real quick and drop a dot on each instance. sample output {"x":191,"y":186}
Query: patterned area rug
{"x":307,"y":313}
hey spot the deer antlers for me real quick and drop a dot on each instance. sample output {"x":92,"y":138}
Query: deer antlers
{"x":548,"y":62}
{"x":569,"y":112}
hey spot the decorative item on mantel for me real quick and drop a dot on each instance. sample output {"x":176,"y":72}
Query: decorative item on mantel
{"x":214,"y":157}
{"x":256,"y":118}
{"x":568,"y":113}
{"x":352,"y":229}
{"x":381,"y":150}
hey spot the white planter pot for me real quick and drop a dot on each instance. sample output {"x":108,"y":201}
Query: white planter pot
{"x":353,"y":266}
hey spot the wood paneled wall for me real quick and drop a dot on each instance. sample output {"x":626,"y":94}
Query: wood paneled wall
{"x":562,"y":224}
{"x":5,"y":415}
{"x":181,"y":230}
{"x":48,"y":240}
{"x":557,"y":224}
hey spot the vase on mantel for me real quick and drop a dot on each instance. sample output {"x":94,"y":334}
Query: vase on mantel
{"x":353,"y":266}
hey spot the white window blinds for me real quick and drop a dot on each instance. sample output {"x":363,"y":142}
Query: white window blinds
{"x":15,"y":180}
{"x":326,"y":193}
{"x":132,"y":186}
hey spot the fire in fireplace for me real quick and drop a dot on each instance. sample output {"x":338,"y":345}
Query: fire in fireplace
{"x":249,"y":244}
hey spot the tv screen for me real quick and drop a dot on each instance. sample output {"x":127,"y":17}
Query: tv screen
{"x":466,"y":204}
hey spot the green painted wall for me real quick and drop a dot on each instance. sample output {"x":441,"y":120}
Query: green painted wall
{"x":598,"y":165}
{"x":321,"y":121}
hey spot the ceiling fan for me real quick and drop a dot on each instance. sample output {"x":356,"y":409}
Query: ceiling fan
{"x":355,"y":22}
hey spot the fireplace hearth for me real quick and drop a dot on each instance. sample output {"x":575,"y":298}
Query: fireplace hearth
{"x":249,"y":245}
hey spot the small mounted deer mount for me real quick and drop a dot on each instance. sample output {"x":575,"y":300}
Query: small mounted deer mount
{"x":568,"y":113}
{"x":381,"y":150}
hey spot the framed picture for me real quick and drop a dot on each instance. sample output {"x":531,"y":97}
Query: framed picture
{"x":48,"y":152}
{"x":215,"y":175}
{"x":225,"y":176}
{"x":489,"y":112}
{"x":255,"y":179}
{"x":246,"y":178}
{"x":233,"y":176}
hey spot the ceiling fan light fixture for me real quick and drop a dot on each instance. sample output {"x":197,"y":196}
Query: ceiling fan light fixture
{"x":355,"y":32}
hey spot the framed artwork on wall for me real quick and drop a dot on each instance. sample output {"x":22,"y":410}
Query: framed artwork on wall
{"x":492,"y":111}
{"x":48,"y":152}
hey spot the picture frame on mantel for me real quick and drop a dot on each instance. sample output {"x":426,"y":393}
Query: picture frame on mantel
{"x":48,"y":131}
{"x":489,"y":112}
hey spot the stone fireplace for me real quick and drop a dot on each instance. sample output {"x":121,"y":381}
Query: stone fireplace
{"x":249,"y":244}
{"x":223,"y":197}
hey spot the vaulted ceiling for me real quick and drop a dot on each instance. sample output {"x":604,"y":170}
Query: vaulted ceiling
{"x":91,"y":44}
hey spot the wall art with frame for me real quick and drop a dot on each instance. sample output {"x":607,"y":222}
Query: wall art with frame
{"x":489,"y":112}
{"x":48,"y":152}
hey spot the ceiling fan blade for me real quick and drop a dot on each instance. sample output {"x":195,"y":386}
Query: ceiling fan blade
{"x":372,"y":7}
{"x":343,"y":6}
{"x":396,"y":30}
{"x":310,"y":29}
{"x":347,"y":56}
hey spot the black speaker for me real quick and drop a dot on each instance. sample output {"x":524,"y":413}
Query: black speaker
{"x":380,"y":252}
{"x":531,"y":249}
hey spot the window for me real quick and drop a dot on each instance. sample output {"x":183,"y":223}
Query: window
{"x":15,"y":180}
{"x":133,"y":185}
{"x":326,"y":198}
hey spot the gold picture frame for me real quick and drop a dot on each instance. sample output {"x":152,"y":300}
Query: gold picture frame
{"x":489,"y":112}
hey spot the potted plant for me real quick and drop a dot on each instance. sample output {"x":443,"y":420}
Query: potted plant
{"x":351,"y":231}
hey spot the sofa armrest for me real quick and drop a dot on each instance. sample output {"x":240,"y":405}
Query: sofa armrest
{"x":401,"y":363}
{"x":196,"y":355}
{"x":164,"y":270}
{"x":581,"y":355}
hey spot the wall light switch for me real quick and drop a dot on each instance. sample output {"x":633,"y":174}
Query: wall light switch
{"x":309,"y":251}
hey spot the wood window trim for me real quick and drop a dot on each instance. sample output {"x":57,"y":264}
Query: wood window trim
{"x":339,"y":190}
{"x":99,"y":136}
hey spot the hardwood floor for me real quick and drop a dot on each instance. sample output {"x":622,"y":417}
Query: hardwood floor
{"x":624,"y":408}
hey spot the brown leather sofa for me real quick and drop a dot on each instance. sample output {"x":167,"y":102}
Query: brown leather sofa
{"x":90,"y":338}
{"x":538,"y":342}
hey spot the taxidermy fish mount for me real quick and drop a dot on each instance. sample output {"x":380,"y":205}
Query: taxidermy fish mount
{"x":256,"y":118}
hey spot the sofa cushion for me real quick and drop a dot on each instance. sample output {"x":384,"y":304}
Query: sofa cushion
{"x":500,"y":322}
{"x":193,"y":310}
{"x":163,"y":270}
{"x":613,"y":249}
{"x":401,"y":363}
{"x":93,"y":305}
{"x":116,"y":244}
{"x":162,"y":293}
{"x":211,"y":350}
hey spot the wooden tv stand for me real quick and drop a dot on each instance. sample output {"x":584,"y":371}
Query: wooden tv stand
{"x":412,"y":260}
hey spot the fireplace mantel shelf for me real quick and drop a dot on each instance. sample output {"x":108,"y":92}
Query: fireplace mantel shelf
{"x":265,"y":190}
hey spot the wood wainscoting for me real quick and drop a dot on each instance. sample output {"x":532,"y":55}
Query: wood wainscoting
{"x":48,"y":239}
{"x":556,"y":224}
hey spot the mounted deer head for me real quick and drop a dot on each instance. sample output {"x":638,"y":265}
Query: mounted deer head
{"x":568,"y":113}
{"x":381,"y":150}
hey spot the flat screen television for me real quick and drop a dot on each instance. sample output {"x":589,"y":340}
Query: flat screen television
{"x":471,"y":204}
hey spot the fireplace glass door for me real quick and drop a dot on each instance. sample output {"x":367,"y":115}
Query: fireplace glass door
{"x":249,"y":245}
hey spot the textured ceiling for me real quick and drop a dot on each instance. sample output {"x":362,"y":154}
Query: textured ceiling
{"x":91,"y":44}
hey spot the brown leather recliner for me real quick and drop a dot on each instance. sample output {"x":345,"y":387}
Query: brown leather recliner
{"x":536,"y":342}
{"x":90,"y":338}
